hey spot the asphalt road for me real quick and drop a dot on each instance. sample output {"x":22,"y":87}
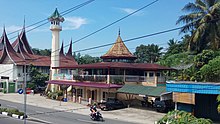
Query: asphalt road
{"x":10,"y":120}
{"x":50,"y":116}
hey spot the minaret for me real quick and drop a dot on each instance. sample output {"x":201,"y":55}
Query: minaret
{"x":55,"y":27}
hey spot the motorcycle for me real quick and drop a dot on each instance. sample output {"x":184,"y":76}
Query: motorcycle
{"x":97,"y":116}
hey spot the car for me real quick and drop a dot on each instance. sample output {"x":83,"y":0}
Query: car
{"x":164,"y":105}
{"x":111,"y":104}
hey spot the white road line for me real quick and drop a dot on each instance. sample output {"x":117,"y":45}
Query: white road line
{"x":94,"y":122}
{"x":11,"y":106}
{"x":38,"y":120}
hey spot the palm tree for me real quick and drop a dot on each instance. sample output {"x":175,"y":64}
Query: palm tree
{"x":203,"y":23}
{"x":155,"y":52}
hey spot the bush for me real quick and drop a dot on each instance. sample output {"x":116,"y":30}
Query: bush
{"x":3,"y":110}
{"x":12,"y":111}
{"x":182,"y":117}
{"x":55,"y":95}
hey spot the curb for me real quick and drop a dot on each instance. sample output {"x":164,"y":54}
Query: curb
{"x":13,"y":115}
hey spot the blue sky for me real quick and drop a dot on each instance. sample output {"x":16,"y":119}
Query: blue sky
{"x":160,"y":16}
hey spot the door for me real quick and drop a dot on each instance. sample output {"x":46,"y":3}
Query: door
{"x":11,"y":88}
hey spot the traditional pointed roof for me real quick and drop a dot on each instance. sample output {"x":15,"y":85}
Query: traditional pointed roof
{"x":24,"y":41}
{"x":56,"y":16}
{"x":69,"y":53}
{"x":22,"y":51}
{"x":8,"y":50}
{"x":61,"y":50}
{"x":20,"y":56}
{"x":118,"y":50}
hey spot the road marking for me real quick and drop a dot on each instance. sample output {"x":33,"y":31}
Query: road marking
{"x":39,"y":112}
{"x":11,"y":106}
{"x":38,"y":120}
{"x":93,"y":122}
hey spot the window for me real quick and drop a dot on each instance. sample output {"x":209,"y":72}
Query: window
{"x":158,"y":74}
{"x":151,"y":74}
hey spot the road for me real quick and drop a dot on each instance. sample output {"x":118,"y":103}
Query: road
{"x":51,"y":116}
{"x":10,"y":120}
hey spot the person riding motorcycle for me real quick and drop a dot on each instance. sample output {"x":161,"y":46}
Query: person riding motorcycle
{"x":93,"y":110}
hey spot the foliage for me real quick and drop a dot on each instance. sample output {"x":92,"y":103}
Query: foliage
{"x":218,"y":100}
{"x":176,"y":47}
{"x":55,"y":95}
{"x":38,"y":78}
{"x":211,"y":71}
{"x":150,"y":53}
{"x":12,"y":111}
{"x":86,"y":59}
{"x":204,"y":57}
{"x":182,"y":117}
{"x":177,"y":59}
{"x":45,"y":52}
{"x":202,"y":22}
{"x":116,"y":80}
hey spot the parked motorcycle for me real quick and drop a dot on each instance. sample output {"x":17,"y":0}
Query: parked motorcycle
{"x":97,"y":116}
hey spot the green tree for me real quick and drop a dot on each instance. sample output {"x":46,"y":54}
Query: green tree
{"x":37,"y":77}
{"x":150,"y":53}
{"x":45,"y":52}
{"x":87,"y":59}
{"x":211,"y":71}
{"x":182,"y":117}
{"x":218,"y":100}
{"x":202,"y":22}
{"x":204,"y":57}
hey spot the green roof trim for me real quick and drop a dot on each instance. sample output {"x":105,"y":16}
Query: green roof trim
{"x":142,"y":90}
{"x":56,"y":15}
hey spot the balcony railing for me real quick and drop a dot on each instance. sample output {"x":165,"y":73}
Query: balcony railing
{"x":116,"y":79}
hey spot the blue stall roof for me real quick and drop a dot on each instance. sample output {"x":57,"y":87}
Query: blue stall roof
{"x":193,"y":87}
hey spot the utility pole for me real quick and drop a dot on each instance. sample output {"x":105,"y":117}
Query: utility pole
{"x":25,"y":92}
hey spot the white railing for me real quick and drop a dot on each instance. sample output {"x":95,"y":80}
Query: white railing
{"x":113,"y":78}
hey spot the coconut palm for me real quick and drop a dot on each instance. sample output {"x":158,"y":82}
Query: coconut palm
{"x":203,"y":22}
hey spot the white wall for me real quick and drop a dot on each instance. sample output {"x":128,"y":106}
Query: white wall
{"x":7,"y":70}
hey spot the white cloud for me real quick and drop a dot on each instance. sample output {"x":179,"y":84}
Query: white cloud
{"x":73,"y":23}
{"x":129,"y":11}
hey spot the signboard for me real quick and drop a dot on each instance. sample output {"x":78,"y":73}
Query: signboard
{"x":3,"y":77}
{"x":187,"y":98}
{"x":20,"y":91}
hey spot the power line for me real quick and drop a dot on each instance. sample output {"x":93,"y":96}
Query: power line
{"x":62,"y":13}
{"x":132,"y":39}
{"x":112,"y":23}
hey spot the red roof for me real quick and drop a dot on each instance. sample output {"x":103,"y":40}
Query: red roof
{"x":23,"y":54}
{"x":84,"y":84}
{"x":142,"y":66}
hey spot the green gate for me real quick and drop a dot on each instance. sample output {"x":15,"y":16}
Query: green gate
{"x":11,"y":88}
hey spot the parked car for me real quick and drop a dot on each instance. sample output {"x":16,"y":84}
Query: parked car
{"x":164,"y":105}
{"x":111,"y":104}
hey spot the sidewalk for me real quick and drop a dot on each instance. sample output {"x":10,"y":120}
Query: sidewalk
{"x":128,"y":114}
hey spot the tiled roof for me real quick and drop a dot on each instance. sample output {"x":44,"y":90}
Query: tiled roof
{"x":118,"y":50}
{"x":142,"y":90}
{"x":69,"y":53}
{"x":24,"y":41}
{"x":21,"y":56}
{"x":56,"y":16}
